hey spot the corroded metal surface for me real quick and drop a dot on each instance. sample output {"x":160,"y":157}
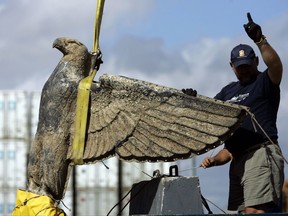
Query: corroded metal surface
{"x":132,"y":119}
{"x":142,"y":121}
{"x":48,"y":166}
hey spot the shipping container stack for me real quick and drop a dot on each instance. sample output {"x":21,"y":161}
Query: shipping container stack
{"x":14,"y":138}
{"x":97,"y":184}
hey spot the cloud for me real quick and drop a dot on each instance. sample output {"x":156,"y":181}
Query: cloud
{"x":147,"y":55}
{"x":31,"y":26}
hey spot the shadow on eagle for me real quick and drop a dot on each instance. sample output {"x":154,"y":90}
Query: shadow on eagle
{"x":132,"y":119}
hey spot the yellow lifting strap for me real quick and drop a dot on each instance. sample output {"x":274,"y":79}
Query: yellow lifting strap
{"x":84,"y":93}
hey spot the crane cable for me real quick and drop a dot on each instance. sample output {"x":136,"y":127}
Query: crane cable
{"x":83,"y":94}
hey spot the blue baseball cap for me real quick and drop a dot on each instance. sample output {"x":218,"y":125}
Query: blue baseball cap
{"x":242,"y":54}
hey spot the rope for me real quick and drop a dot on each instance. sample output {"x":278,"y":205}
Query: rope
{"x":84,"y":91}
{"x":215,"y":205}
{"x":131,"y":198}
{"x":254,"y":121}
{"x":141,"y":170}
{"x":204,"y":202}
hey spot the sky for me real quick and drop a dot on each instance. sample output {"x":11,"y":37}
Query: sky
{"x":176,"y":43}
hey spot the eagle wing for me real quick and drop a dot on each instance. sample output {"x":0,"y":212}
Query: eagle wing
{"x":142,"y":121}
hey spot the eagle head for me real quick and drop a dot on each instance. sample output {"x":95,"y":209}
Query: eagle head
{"x":74,"y":52}
{"x":71,"y":47}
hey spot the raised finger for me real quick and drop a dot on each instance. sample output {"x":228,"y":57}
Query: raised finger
{"x":249,"y":17}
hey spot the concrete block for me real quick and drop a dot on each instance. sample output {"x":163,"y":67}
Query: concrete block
{"x":166,"y":196}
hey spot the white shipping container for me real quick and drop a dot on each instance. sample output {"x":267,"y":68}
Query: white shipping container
{"x":34,"y":111}
{"x":10,"y":201}
{"x":134,"y":172}
{"x":2,"y":166}
{"x":86,"y":203}
{"x":14,"y":114}
{"x":17,"y":112}
{"x":108,"y":177}
{"x":7,"y":202}
{"x":14,"y":163}
{"x":90,"y":202}
{"x":86,"y":176}
{"x":2,"y":114}
{"x":67,"y":204}
{"x":2,"y":204}
{"x":97,"y":175}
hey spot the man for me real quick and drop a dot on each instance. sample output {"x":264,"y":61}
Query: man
{"x":256,"y":170}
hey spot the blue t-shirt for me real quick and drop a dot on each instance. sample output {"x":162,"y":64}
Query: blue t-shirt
{"x":262,"y":97}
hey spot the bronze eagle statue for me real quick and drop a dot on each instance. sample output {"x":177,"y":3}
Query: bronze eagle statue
{"x":132,"y":119}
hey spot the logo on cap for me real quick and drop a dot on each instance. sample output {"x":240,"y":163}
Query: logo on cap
{"x":241,"y":53}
